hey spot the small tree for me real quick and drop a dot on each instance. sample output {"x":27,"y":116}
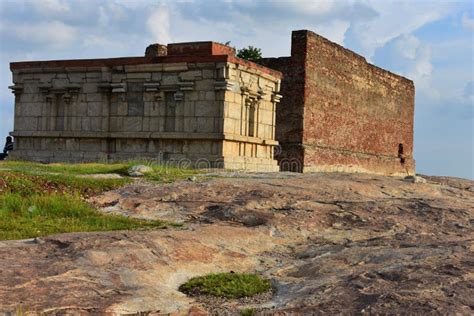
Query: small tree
{"x":250,"y":53}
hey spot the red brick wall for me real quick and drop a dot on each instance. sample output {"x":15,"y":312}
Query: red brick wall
{"x":352,"y":115}
{"x":354,"y":110}
{"x":289,"y":112}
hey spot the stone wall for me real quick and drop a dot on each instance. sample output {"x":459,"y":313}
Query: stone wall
{"x":353,"y":116}
{"x":170,"y":108}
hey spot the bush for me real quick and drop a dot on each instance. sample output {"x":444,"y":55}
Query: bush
{"x":250,"y":53}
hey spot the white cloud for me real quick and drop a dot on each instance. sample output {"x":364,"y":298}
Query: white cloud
{"x":96,"y":41}
{"x":103,"y":17}
{"x":467,"y":22}
{"x":394,"y":19}
{"x":409,"y":56}
{"x":468,"y":93}
{"x":158,"y":24}
{"x":54,"y":33}
{"x":48,"y":7}
{"x":334,"y":30}
{"x":407,"y":46}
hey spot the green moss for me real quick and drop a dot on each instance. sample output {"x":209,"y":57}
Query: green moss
{"x":229,"y":285}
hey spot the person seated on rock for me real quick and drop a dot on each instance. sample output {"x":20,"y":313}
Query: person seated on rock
{"x":8,"y":147}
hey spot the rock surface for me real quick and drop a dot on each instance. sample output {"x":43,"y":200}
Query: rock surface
{"x":139,"y":170}
{"x":330,"y":243}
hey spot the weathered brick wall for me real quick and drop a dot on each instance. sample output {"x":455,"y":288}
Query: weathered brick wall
{"x":356,"y":114}
{"x":346,"y":114}
{"x":289,"y":112}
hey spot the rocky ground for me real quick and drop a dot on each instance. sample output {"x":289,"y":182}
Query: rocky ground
{"x":330,"y":243}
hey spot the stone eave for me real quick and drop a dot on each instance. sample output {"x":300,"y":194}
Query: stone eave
{"x":61,"y":65}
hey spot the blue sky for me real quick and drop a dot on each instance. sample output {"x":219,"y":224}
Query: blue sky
{"x":430,"y":42}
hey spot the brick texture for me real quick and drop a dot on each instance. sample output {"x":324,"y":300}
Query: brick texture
{"x":340,"y":113}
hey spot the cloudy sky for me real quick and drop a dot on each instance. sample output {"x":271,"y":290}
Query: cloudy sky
{"x":430,"y":42}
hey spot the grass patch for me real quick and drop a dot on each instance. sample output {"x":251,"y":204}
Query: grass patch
{"x":40,"y":215}
{"x":161,"y":173}
{"x":228,"y":285}
{"x":65,"y":168}
{"x":42,"y":199}
{"x":247,"y":312}
{"x":26,"y":184}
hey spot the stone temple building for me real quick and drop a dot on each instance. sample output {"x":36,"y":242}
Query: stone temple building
{"x":197,"y":104}
{"x":194,"y":104}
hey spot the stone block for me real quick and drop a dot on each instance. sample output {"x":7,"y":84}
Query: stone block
{"x":200,"y":147}
{"x":210,"y":96}
{"x":95,"y":124}
{"x":156,"y":124}
{"x":116,"y":78}
{"x":188,"y":108}
{"x":191,"y":75}
{"x":122,"y":108}
{"x":218,"y":125}
{"x":175,"y":67}
{"x":76,"y":123}
{"x":207,"y":109}
{"x":90,"y":145}
{"x":89,"y":88}
{"x":156,"y":76}
{"x":139,"y":75}
{"x":169,"y":79}
{"x":93,"y":75}
{"x":86,"y":124}
{"x":205,"y":124}
{"x":45,"y":77}
{"x":72,"y":144}
{"x":30,"y":97}
{"x":31,"y":109}
{"x":144,"y":68}
{"x":79,"y":109}
{"x":94,"y":97}
{"x":31,"y":87}
{"x":133,"y":145}
{"x":94,"y":108}
{"x":234,"y":110}
{"x":179,"y":109}
{"x":76,"y":77}
{"x":116,"y":124}
{"x":208,"y":73}
{"x":53,"y":144}
{"x":205,"y":84}
{"x":133,"y":124}
{"x":153,"y":108}
{"x":26,"y":123}
{"x":190,"y":124}
{"x":146,"y":124}
{"x":191,"y":95}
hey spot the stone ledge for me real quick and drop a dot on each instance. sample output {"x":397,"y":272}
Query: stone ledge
{"x":145,"y":135}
